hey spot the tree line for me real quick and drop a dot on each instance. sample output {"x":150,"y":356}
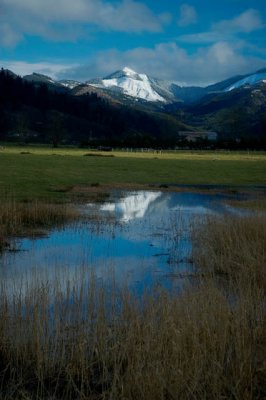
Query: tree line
{"x":37,"y":113}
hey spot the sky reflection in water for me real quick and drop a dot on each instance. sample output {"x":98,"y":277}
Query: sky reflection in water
{"x":142,"y":237}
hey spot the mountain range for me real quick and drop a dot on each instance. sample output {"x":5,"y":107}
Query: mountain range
{"x":127,"y":84}
{"x":130,"y":108}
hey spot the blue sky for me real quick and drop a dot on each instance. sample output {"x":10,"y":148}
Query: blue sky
{"x":194,"y":42}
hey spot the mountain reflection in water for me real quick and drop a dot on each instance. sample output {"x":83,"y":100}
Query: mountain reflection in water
{"x":143,"y":237}
{"x":132,"y":206}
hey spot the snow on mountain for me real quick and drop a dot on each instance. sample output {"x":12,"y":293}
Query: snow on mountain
{"x":141,"y":86}
{"x":70,"y":84}
{"x":248,"y":80}
{"x":130,"y":83}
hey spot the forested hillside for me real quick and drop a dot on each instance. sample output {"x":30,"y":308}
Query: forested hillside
{"x":36,"y":113}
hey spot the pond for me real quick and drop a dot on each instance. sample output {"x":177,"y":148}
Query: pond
{"x":141,"y":238}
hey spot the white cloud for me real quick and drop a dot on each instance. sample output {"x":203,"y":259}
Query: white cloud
{"x":222,"y":54}
{"x":25,"y":68}
{"x":203,"y":37}
{"x":245,"y":23}
{"x":63,"y":19}
{"x":8,"y":36}
{"x":171,"y":62}
{"x":188,"y":15}
{"x":166,"y":61}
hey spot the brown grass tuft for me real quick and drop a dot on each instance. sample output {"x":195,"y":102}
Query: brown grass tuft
{"x":75,"y":339}
{"x":17,"y":219}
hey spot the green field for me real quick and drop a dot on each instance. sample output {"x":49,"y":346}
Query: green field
{"x":42,"y":172}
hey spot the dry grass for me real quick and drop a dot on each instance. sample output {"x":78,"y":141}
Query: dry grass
{"x":165,"y":154}
{"x":258,"y":203}
{"x":18,"y":219}
{"x":233,"y":246}
{"x":73,"y":338}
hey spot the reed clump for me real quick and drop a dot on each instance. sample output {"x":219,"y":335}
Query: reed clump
{"x":18,"y":219}
{"x":72,"y":337}
{"x":232,"y":246}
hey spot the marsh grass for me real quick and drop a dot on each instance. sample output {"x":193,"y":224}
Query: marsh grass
{"x":233,"y":246}
{"x":73,"y":337}
{"x":258,"y":203}
{"x":17,"y":219}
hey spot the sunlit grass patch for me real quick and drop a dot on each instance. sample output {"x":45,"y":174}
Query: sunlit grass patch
{"x":39,"y":174}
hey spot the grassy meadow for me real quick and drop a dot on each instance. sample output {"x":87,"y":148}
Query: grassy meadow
{"x":28,"y":173}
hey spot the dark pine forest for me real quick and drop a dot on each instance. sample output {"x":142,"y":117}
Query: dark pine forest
{"x":31,"y":113}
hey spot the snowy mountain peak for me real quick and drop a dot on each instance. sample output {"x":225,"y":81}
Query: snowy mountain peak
{"x":123,"y":73}
{"x":129,"y":71}
{"x":130,"y":83}
{"x":252,"y":79}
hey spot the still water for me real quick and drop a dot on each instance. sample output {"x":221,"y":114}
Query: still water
{"x":142,"y":238}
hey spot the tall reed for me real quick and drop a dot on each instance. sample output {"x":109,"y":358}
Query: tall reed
{"x":20,"y":218}
{"x":232,"y":246}
{"x":72,"y":337}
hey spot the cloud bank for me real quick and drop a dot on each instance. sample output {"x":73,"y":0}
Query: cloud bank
{"x":64,"y":19}
{"x":23,"y":68}
{"x":245,"y":23}
{"x":166,"y":61}
{"x":172,"y":62}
